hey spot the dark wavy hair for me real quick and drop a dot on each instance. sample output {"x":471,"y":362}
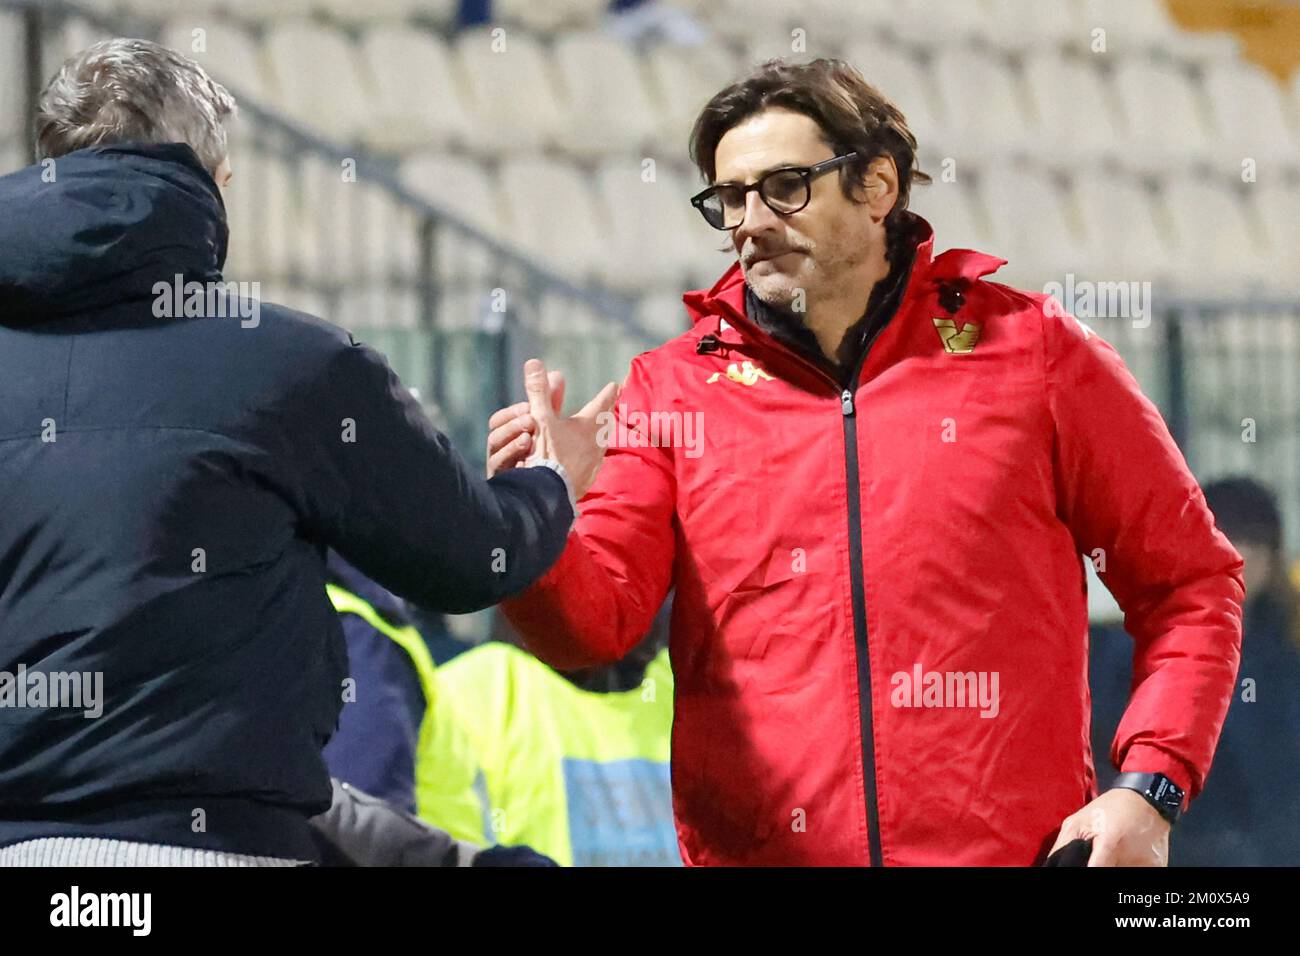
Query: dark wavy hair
{"x":853,"y":116}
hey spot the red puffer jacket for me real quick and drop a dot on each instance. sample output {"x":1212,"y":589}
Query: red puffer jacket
{"x":879,"y":635}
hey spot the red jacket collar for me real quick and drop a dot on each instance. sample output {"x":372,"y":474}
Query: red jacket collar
{"x":966,"y":264}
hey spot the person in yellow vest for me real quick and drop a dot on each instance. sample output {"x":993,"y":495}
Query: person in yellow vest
{"x":575,"y":766}
{"x":494,"y":747}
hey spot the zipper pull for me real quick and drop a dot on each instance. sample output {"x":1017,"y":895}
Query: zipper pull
{"x":846,"y":402}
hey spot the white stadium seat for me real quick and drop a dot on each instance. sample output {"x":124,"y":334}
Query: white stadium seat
{"x":1217,"y":250}
{"x":374,"y":12}
{"x":555,"y":217}
{"x":1031,"y":225}
{"x":1076,"y":116}
{"x":984,"y":112}
{"x":685,"y":79}
{"x":606,"y":101}
{"x":418,"y":98}
{"x":648,"y":219}
{"x":513,"y":95}
{"x":1252,"y":118}
{"x":1278,"y":205}
{"x":1163,"y":116}
{"x":664,"y":314}
{"x":1033,"y":24}
{"x":318,"y":79}
{"x":232,"y":55}
{"x":1119,"y":227}
{"x":463,"y":188}
{"x":953,"y":209}
{"x":1136,"y":27}
{"x":901,"y":77}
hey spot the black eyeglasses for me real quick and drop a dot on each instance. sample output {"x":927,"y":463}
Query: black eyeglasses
{"x":785,"y":191}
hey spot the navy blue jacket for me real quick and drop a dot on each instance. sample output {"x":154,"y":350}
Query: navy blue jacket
{"x":379,"y":730}
{"x":168,"y":489}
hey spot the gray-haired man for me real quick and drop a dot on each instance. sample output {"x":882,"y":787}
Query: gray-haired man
{"x":171,"y":486}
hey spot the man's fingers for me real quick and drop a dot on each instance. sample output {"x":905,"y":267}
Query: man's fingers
{"x":512,"y":454}
{"x":503,"y":415}
{"x":603,"y":402}
{"x":1069,"y":831}
{"x":538,"y":387}
{"x":502,"y":435}
{"x":1104,"y":851}
{"x":556,"y":378}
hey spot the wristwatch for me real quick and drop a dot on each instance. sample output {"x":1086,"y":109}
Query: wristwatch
{"x":1161,"y":792}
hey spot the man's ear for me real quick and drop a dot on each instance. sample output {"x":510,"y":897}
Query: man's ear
{"x":880,"y":182}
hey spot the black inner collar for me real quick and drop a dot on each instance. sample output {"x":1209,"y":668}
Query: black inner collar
{"x":790,"y":330}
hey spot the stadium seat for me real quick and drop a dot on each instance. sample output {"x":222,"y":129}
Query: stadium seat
{"x":1120,"y":232}
{"x":418,"y":99}
{"x":259,"y":11}
{"x":369,"y":305}
{"x":1136,"y":27}
{"x":952,"y":208}
{"x":318,"y":79}
{"x":765,"y":21}
{"x":513,"y":96}
{"x":12,"y":83}
{"x":647,"y":222}
{"x":464,"y":189}
{"x":1031,"y":227}
{"x":949,"y":25}
{"x":232,"y":55}
{"x":902,"y":78}
{"x":1163,"y":116}
{"x":1251,"y":115}
{"x":269,"y":238}
{"x":549,"y":17}
{"x":1076,"y":118}
{"x":663,"y":314}
{"x":1032,"y":24}
{"x":1278,"y":204}
{"x":441,"y":13}
{"x":555,"y":216}
{"x":605,"y":96}
{"x":685,"y":79}
{"x":1215,"y":249}
{"x":984,"y":113}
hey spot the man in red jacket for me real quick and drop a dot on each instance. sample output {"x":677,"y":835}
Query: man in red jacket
{"x":879,"y":634}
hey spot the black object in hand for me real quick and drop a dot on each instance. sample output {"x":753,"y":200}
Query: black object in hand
{"x":1074,"y":853}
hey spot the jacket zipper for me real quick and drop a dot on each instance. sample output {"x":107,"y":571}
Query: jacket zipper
{"x":848,"y":414}
{"x":859,"y":592}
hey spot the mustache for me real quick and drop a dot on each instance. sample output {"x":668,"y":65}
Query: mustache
{"x":749,"y":252}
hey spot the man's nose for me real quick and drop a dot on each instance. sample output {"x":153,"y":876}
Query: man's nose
{"x":759,"y":218}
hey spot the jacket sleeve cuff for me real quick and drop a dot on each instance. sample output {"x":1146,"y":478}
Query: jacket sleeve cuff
{"x":556,"y":467}
{"x":1144,"y":758}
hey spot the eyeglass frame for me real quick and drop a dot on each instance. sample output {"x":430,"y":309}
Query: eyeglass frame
{"x":808,"y":174}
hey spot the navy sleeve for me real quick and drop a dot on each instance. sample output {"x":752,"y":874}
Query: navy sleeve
{"x":374,"y":746}
{"x":391,"y":494}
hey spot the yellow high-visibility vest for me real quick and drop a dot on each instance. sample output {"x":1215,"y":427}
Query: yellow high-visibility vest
{"x":511,"y":752}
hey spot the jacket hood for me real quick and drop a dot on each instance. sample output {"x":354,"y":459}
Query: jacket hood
{"x":102,"y":225}
{"x":960,"y":265}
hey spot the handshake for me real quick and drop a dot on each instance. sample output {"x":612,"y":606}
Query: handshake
{"x":527,"y":432}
